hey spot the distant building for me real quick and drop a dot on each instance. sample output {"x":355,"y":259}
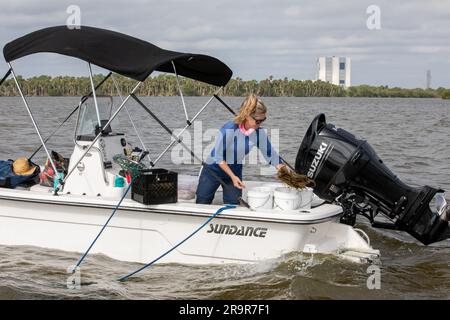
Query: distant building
{"x":336,"y":70}
{"x":428,"y":79}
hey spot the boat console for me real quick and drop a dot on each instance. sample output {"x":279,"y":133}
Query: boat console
{"x":95,"y":174}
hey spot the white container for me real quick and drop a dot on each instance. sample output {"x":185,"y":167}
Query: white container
{"x":286,"y":198}
{"x":117,"y":192}
{"x":306,"y":198}
{"x":274,"y":185}
{"x":260,"y":198}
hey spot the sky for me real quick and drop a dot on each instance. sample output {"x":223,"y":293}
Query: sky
{"x":256,"y":39}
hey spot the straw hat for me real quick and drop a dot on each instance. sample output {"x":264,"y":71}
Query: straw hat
{"x":23,"y":167}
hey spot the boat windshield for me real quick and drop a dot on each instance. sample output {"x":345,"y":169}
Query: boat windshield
{"x":88,"y":121}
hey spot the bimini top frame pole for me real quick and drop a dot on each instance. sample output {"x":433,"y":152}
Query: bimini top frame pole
{"x":94,"y":95}
{"x":181,"y":92}
{"x":177,"y":139}
{"x":129,"y":116}
{"x":189,"y":123}
{"x":5,"y":76}
{"x":83,"y":99}
{"x":34,"y":123}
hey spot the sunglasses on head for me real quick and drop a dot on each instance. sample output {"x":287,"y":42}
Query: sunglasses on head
{"x":258,"y":121}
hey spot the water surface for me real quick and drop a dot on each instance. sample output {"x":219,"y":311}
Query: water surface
{"x":410,"y":135}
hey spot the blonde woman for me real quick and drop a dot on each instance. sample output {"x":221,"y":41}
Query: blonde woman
{"x":234,"y":142}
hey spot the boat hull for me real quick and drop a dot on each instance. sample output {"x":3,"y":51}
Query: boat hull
{"x":141,"y":234}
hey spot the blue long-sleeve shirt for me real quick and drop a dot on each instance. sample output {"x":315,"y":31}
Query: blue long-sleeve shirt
{"x":232,"y":146}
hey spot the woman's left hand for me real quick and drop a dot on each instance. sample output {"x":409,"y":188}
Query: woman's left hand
{"x":237,"y":182}
{"x":280,"y":166}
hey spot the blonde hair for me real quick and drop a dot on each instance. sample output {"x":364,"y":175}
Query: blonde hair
{"x":250,"y":105}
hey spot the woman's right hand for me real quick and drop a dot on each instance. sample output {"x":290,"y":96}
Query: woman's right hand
{"x":237,"y":182}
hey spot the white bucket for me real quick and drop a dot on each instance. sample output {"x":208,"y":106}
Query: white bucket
{"x":260,"y":198}
{"x":306,"y":197}
{"x":273,"y":185}
{"x":286,"y":198}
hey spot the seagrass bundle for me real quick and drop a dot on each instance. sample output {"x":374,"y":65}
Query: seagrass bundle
{"x":293,"y":179}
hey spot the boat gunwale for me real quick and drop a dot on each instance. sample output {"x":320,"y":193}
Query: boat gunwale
{"x":228,"y":214}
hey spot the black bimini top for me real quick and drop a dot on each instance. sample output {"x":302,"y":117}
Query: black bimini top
{"x":117,"y":52}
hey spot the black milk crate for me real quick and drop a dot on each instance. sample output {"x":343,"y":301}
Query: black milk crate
{"x":155,"y":186}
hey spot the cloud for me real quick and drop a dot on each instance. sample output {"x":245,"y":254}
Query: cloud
{"x":260,"y":38}
{"x":428,"y":49}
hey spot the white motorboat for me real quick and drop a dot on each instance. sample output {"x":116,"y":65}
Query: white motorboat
{"x":140,"y":233}
{"x":69,"y":215}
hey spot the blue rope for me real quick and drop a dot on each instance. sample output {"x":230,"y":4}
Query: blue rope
{"x":103,"y":228}
{"x":124,"y":278}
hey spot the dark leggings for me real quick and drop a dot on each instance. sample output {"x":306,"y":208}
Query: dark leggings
{"x":208,"y":185}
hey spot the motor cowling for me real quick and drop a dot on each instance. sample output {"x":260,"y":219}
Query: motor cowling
{"x":342,"y":164}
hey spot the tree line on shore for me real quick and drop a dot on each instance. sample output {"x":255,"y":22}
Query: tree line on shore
{"x":166,"y":85}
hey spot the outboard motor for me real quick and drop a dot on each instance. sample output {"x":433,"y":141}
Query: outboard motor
{"x":348,"y":171}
